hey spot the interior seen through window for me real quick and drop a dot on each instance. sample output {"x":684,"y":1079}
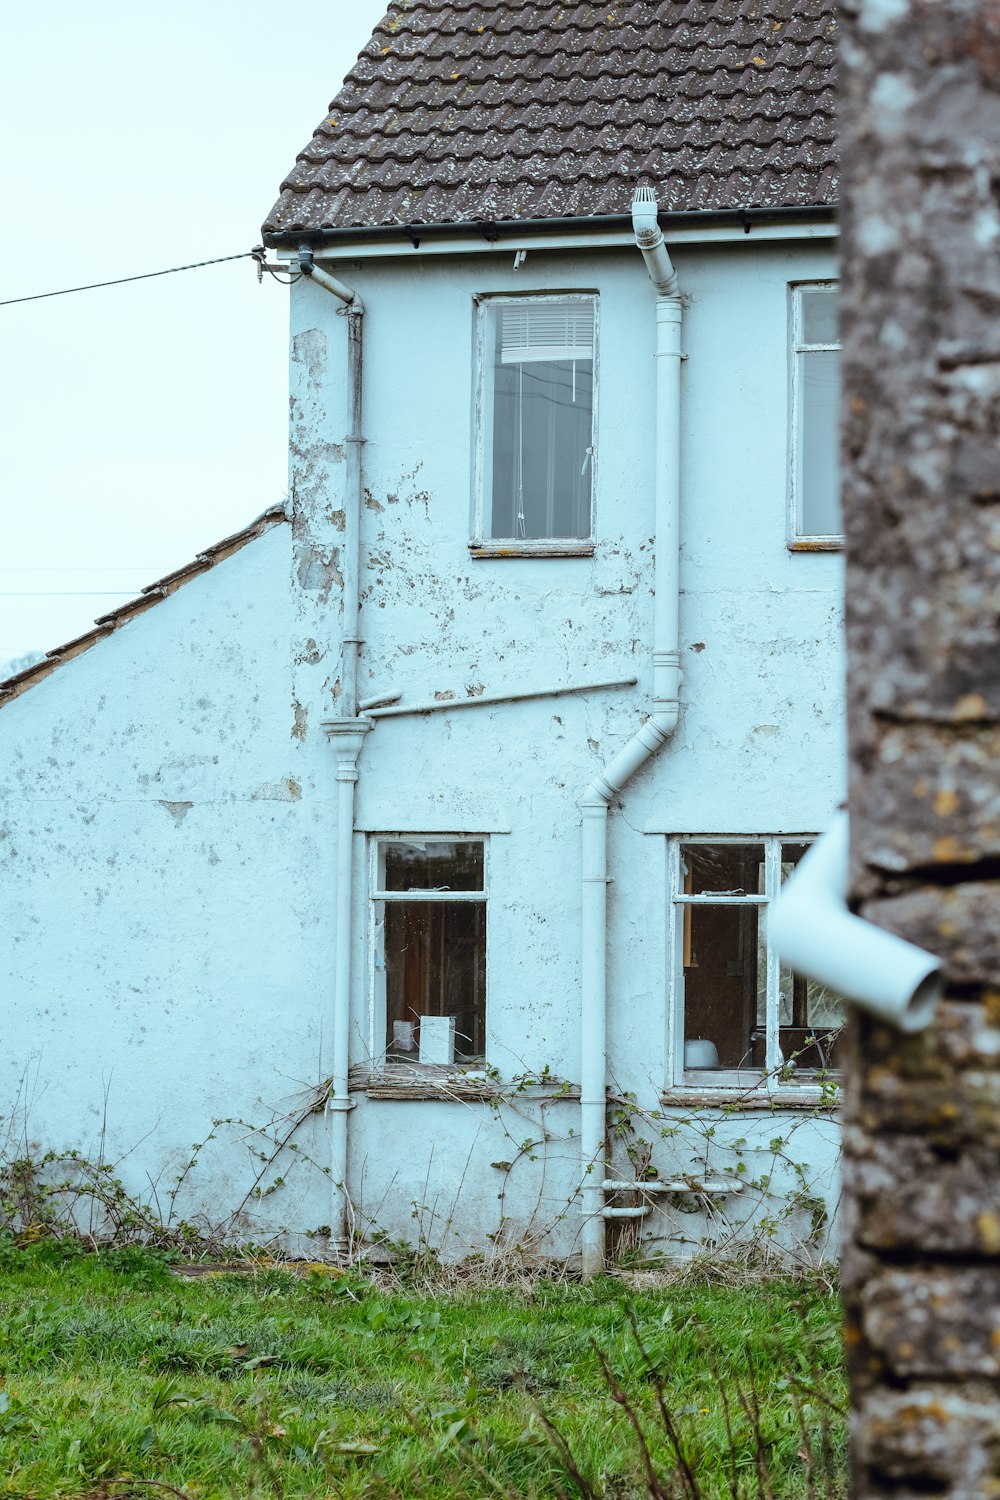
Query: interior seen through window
{"x":733,"y":993}
{"x":430,"y":960}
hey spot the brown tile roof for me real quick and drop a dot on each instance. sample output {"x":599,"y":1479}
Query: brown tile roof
{"x":459,"y":111}
{"x":12,"y":687}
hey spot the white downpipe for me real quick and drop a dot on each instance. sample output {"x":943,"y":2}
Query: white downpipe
{"x":649,"y":739}
{"x":346,"y":735}
{"x":351,"y":594}
{"x":812,"y":931}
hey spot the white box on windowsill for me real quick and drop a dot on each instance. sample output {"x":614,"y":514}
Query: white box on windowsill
{"x":437,"y":1039}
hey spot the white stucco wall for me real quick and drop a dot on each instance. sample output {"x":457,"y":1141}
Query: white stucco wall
{"x":760,"y":748}
{"x":178,"y":959}
{"x":156,"y":814}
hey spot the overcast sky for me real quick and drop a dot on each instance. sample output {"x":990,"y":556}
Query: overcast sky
{"x":141,"y":423}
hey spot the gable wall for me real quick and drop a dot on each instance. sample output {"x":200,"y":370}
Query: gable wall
{"x":164,"y":958}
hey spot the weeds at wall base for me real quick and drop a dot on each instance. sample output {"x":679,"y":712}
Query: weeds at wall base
{"x":775,"y":1218}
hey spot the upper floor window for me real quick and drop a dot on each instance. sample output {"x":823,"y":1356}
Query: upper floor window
{"x":815,"y":520}
{"x":536,"y":408}
{"x":738,"y":1011}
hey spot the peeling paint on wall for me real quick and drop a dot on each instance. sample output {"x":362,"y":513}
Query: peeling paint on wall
{"x":278,"y":791}
{"x":177,"y":810}
{"x":228,"y":929}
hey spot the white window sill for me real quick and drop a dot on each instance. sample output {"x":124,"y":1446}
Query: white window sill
{"x":554,"y":548}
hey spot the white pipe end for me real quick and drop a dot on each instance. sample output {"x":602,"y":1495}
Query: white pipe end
{"x":813,"y":932}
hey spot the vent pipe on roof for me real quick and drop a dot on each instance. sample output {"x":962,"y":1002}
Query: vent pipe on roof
{"x":647,"y":740}
{"x":649,"y":238}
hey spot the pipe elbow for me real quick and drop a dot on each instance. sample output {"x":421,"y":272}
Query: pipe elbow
{"x":812,"y":930}
{"x":351,"y":299}
{"x":597,"y":797}
{"x":665,"y":718}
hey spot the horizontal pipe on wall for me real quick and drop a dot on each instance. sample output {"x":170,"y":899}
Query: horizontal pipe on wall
{"x":710,"y":1187}
{"x":379,"y":700}
{"x":443,"y":705}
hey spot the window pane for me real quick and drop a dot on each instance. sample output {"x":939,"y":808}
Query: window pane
{"x":810,"y":1019}
{"x":790,"y":856}
{"x":433,"y":865}
{"x":820,"y":321}
{"x":810,"y":1015}
{"x":542,"y":421}
{"x":722,"y":869}
{"x":819,"y":374}
{"x":435,"y":965}
{"x":720,"y":988}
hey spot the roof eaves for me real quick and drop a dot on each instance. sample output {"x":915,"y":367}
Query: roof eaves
{"x":491,"y":230}
{"x":151,"y":595}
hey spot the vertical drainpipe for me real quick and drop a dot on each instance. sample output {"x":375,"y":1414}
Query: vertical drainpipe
{"x":346,"y":734}
{"x":647,"y":740}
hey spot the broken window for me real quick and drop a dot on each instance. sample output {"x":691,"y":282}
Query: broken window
{"x":430,"y":948}
{"x":815,"y":394}
{"x":536,"y":441}
{"x":738,"y":1011}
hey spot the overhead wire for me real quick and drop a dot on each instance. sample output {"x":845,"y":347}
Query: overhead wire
{"x":94,"y":286}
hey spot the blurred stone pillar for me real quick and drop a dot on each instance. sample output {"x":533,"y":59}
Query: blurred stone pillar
{"x":920,"y":118}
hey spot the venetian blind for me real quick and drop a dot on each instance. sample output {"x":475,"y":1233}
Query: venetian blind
{"x":546,"y":330}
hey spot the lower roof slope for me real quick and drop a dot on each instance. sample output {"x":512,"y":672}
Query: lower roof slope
{"x":13,"y":687}
{"x":459,"y":111}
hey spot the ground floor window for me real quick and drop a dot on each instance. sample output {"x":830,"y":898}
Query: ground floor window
{"x":737,"y":1011}
{"x":429,"y":953}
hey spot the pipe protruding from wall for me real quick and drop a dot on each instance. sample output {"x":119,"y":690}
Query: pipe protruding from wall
{"x":812,"y":931}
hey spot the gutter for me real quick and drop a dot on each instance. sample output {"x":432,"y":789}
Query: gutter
{"x":493,"y":230}
{"x":648,"y":740}
{"x":346,"y":734}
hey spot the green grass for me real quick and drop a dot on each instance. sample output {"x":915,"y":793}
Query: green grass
{"x":269,"y":1383}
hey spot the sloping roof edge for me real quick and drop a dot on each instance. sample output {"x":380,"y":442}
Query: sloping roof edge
{"x":465,"y":110}
{"x":151,"y":595}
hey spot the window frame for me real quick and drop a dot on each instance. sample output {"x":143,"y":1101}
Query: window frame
{"x":480,"y":544}
{"x":799,"y":539}
{"x":736,"y":1080}
{"x":378,"y":1023}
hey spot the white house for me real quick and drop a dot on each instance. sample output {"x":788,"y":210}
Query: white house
{"x":422,"y":839}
